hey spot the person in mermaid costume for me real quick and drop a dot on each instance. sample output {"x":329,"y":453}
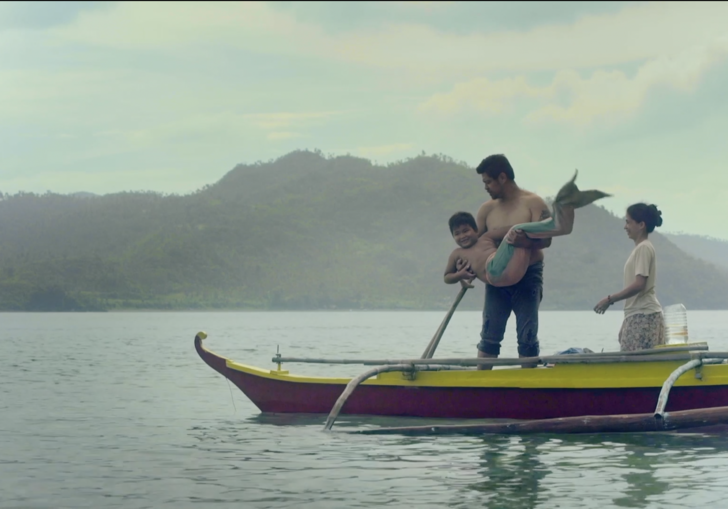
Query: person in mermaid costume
{"x":505,"y":265}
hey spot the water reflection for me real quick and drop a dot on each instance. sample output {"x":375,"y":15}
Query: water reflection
{"x":510,"y":471}
{"x":653,"y":465}
{"x":346,"y":423}
{"x":620,"y":470}
{"x":640,"y":459}
{"x":287,"y":419}
{"x":610,"y":470}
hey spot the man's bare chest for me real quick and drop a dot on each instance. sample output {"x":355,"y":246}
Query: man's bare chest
{"x":501,"y":217}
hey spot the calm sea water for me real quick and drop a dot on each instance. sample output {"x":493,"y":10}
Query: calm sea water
{"x":115,"y":410}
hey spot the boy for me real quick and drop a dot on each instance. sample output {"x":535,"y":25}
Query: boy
{"x":469,"y":260}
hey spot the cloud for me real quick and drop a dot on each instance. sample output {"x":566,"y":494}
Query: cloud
{"x":277,"y":125}
{"x":634,"y":33}
{"x":280,"y":120}
{"x":427,"y":6}
{"x":484,"y":95}
{"x":607,"y":96}
{"x":140,"y":106}
{"x":162,"y":26}
{"x":447,"y":17}
{"x":274,"y":136}
{"x":190,"y":88}
{"x":41,"y":15}
{"x":197,"y":129}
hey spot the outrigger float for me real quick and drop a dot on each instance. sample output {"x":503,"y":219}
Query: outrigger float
{"x":643,"y":391}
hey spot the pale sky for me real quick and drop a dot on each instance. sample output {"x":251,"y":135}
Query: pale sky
{"x":106,"y":97}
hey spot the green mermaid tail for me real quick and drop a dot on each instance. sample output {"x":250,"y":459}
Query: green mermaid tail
{"x":569,"y":196}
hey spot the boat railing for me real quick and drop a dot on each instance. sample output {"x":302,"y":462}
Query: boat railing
{"x":666,"y":354}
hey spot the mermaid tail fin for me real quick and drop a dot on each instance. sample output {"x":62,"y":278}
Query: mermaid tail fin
{"x":561,"y":223}
{"x":569,"y":195}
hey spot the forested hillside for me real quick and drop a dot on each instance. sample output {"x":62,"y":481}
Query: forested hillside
{"x":709,"y":249}
{"x":301,"y":232}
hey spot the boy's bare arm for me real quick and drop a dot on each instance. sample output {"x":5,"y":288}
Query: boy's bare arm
{"x":451,"y":268}
{"x":453,"y":274}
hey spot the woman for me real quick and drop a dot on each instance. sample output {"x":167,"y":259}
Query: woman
{"x":643,"y":325}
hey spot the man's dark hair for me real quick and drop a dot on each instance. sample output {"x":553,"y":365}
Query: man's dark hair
{"x":494,"y":165}
{"x":460,"y":219}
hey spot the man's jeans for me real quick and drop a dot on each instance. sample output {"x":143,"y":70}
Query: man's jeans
{"x":524,"y":299}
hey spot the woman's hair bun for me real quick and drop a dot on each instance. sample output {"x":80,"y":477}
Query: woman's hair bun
{"x":648,"y":214}
{"x":658,"y":215}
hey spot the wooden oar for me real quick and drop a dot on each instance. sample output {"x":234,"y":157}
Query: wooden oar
{"x":432,"y":345}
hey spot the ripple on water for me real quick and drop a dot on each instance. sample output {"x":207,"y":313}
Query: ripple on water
{"x":116,"y":411}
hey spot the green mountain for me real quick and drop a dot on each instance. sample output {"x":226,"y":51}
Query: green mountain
{"x":301,"y":232}
{"x":709,"y":249}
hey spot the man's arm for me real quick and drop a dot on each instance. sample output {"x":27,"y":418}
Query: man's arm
{"x":539,"y":212}
{"x":498,"y":234}
{"x":542,"y":212}
{"x":481,"y":216}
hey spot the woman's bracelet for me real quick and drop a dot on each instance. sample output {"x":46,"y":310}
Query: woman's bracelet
{"x":609,"y":299}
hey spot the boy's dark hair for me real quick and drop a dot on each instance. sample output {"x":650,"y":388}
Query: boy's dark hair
{"x":648,"y":214}
{"x":461,"y":218}
{"x":494,"y":165}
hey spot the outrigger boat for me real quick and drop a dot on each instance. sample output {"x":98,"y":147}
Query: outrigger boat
{"x":590,"y":392}
{"x":576,"y":393}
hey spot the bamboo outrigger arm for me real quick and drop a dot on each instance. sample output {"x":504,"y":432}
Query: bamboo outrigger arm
{"x":670,"y":381}
{"x":353,"y":385}
{"x":355,"y":382}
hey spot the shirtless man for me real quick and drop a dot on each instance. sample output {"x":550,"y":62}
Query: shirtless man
{"x":512,"y":271}
{"x":511,"y":205}
{"x":505,"y":265}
